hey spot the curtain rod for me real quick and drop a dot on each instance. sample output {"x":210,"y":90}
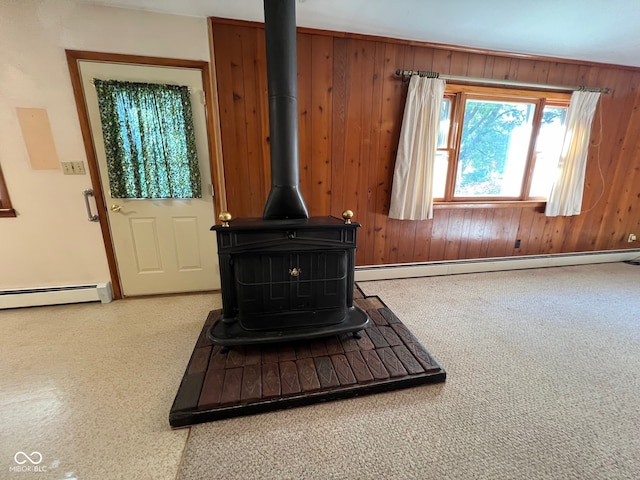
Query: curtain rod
{"x":424,"y":73}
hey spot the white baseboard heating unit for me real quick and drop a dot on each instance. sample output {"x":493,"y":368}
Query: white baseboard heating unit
{"x":33,"y":297}
{"x":477,"y":265}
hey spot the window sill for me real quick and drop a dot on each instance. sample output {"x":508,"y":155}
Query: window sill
{"x":7,"y":212}
{"x":489,"y":204}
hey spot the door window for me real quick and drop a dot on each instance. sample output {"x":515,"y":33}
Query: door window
{"x":149,"y":140}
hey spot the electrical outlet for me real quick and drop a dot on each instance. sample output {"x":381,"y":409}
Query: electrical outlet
{"x":632,"y":237}
{"x":517,"y":244}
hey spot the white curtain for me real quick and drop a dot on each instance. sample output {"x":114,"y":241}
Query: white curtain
{"x":566,"y":195}
{"x":412,"y":190}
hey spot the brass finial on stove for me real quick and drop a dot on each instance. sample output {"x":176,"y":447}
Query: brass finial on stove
{"x":225,"y":218}
{"x":347,"y":215}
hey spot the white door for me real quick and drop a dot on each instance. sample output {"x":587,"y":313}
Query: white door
{"x":161,"y":245}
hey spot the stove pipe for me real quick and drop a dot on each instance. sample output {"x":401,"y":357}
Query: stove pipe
{"x":285,"y":199}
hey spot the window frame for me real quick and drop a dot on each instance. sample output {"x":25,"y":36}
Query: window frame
{"x":6,"y":209}
{"x":458,"y":94}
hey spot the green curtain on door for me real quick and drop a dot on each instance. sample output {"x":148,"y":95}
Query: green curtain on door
{"x":149,"y":140}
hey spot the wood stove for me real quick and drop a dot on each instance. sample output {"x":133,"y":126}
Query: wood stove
{"x":286,"y":280}
{"x":285,"y":276}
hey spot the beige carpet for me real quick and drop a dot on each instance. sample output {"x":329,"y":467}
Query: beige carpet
{"x":543,"y":371}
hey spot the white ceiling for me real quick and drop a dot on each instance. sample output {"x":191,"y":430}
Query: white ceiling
{"x":600,"y":31}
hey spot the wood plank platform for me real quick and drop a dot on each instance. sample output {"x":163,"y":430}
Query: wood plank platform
{"x":252,"y":379}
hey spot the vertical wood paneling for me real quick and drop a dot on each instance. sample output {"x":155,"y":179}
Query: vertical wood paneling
{"x":338,"y":125}
{"x":224,"y":38}
{"x":321,"y":99}
{"x":405,"y":234}
{"x":439,"y":229}
{"x":357,"y":133}
{"x":367,"y":88}
{"x":612,"y":202}
{"x":453,"y":237}
{"x":393,"y":99}
{"x":250,"y":101}
{"x":524,"y":230}
{"x":350,"y":112}
{"x":260,"y":73}
{"x":465,"y":233}
{"x":305,"y":113}
{"x":370,"y":217}
{"x":476,"y":232}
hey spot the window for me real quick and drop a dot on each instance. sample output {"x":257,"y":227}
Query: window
{"x":149,"y":140}
{"x":5,"y":202}
{"x":498,"y":144}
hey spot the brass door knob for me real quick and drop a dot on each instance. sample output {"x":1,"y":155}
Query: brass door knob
{"x":115,"y":208}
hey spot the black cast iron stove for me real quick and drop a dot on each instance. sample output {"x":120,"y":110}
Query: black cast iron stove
{"x":285,"y":276}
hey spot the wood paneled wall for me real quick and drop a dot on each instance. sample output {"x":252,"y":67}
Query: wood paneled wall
{"x":351,"y":105}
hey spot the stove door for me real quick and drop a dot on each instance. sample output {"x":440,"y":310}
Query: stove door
{"x":278,"y":290}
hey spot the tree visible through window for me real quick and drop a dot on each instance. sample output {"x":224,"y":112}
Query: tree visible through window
{"x":149,"y":140}
{"x":498,"y":144}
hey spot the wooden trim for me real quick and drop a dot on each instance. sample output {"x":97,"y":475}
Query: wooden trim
{"x":507,"y":92}
{"x":457,"y":122}
{"x":531,"y":152}
{"x":215,"y":135}
{"x":73,"y":57}
{"x":76,"y":82}
{"x":6,"y":209}
{"x":439,"y":46}
{"x":485,"y":204}
{"x":135,"y":59}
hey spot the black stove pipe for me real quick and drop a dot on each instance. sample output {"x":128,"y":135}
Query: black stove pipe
{"x":285,"y":199}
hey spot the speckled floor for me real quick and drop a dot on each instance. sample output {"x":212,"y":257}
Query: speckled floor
{"x":89,"y":386}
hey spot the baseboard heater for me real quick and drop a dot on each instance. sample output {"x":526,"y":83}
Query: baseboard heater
{"x":477,"y":265}
{"x":33,"y":297}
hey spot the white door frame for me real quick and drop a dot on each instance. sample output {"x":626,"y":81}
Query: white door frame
{"x":215,"y":160}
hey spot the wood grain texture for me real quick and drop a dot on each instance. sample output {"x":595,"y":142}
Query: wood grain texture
{"x":351,"y":107}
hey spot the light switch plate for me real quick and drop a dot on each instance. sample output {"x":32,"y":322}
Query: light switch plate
{"x":78,"y":168}
{"x":73,"y":168}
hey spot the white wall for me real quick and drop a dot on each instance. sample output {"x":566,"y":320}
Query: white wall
{"x":51,"y":242}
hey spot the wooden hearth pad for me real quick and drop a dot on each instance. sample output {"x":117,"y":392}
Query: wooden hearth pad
{"x":261,"y":378}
